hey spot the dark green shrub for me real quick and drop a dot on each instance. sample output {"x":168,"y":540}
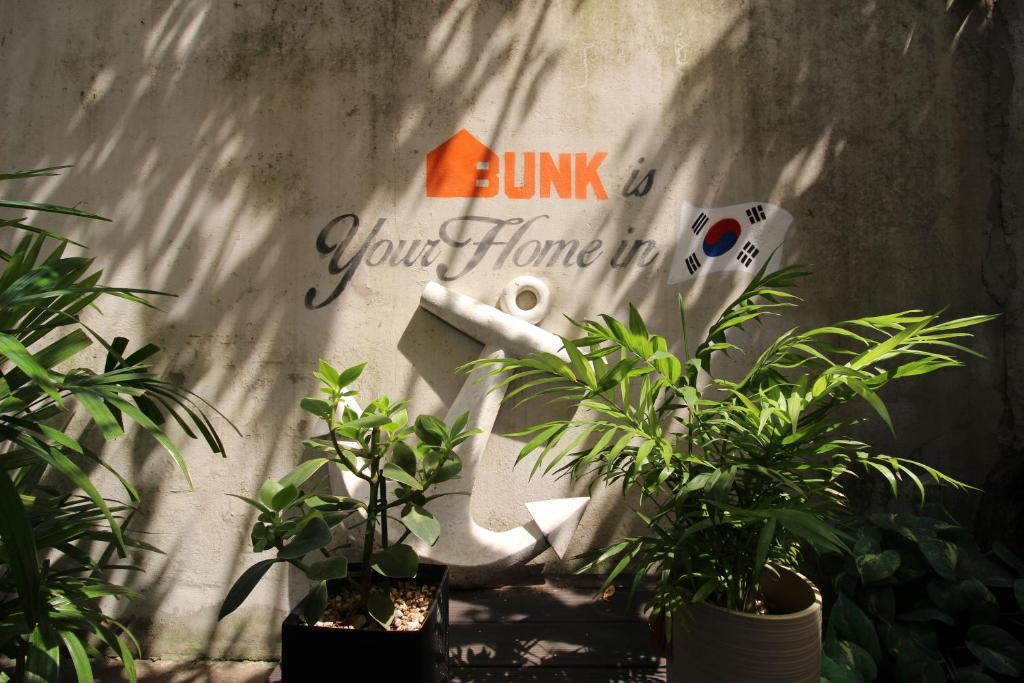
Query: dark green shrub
{"x":919,"y":601}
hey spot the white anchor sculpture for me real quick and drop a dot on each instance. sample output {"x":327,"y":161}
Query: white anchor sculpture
{"x":464,"y":543}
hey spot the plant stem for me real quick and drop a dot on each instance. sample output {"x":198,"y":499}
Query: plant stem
{"x":383,"y":513}
{"x":371,"y":518}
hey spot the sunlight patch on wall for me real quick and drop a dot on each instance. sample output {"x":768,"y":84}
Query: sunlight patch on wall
{"x":803,"y":170}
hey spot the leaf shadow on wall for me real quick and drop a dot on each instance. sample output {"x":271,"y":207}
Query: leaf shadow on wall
{"x":184,"y":129}
{"x":862,"y":124}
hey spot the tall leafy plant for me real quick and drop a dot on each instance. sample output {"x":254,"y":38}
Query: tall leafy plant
{"x":59,"y":536}
{"x":734,"y":474}
{"x":300,"y":518}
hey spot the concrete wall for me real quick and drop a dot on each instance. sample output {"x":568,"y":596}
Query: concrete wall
{"x":222,"y":137}
{"x":1001,"y":511}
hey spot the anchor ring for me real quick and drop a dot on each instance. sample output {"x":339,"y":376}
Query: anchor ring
{"x":527,"y":298}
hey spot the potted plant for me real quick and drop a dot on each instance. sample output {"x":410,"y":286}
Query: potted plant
{"x":64,"y":544}
{"x":388,"y":614}
{"x":733,"y":474}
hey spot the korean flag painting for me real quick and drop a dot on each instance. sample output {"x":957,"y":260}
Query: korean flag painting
{"x":739,"y":237}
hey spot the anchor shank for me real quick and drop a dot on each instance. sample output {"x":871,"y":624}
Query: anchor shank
{"x":487,"y":324}
{"x":482,"y":401}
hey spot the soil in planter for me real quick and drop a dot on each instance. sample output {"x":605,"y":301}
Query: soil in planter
{"x":767,"y":607}
{"x":412,"y":606}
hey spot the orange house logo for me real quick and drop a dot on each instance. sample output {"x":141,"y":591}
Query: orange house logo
{"x":462,"y":166}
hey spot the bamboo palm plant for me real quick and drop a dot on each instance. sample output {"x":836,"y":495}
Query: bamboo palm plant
{"x":59,"y":536}
{"x":733,"y":474}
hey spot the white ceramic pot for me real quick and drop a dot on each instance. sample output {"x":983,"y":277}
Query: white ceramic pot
{"x":723,"y":646}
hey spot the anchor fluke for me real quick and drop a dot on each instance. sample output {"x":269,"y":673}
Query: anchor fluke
{"x":558,"y":519}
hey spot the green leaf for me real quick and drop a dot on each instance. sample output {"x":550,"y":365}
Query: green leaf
{"x":869,"y":540}
{"x":42,"y":664}
{"x":396,"y":473}
{"x":349,"y":375}
{"x":49,"y":208}
{"x":78,"y":655}
{"x":334,"y":503}
{"x":285,"y":497}
{"x":668,"y":365}
{"x":680,"y":304}
{"x":644,"y":451}
{"x":381,"y":608}
{"x":704,"y":591}
{"x":110,"y":428}
{"x":809,"y":527}
{"x":636,"y":322}
{"x":315,"y":535}
{"x":422,"y":524}
{"x":269,"y":489}
{"x":460,"y":423}
{"x":872,"y":399}
{"x":328,"y":375}
{"x":34,"y":173}
{"x":850,"y":623}
{"x":552,"y":431}
{"x":23,"y":359}
{"x":405,"y":457}
{"x":582,"y":369}
{"x":314,"y":604}
{"x":430,"y":430}
{"x":365,"y":422}
{"x":941,"y":555}
{"x":154,"y":430}
{"x":299,"y":475}
{"x":886,"y":473}
{"x":318,"y":407}
{"x":448,"y":470}
{"x":123,"y":650}
{"x":874,"y":567}
{"x":764,"y":543}
{"x":794,"y":406}
{"x":397,"y":562}
{"x":836,"y":672}
{"x":620,"y":567}
{"x":853,"y":657}
{"x":331,"y":568}
{"x":243,"y":586}
{"x":61,"y":438}
{"x":996,"y":649}
{"x":19,"y":548}
{"x":69,"y":469}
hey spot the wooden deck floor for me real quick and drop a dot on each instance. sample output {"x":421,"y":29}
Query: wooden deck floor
{"x":558,"y":631}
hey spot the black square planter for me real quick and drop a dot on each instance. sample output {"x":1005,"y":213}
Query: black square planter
{"x":310,"y":654}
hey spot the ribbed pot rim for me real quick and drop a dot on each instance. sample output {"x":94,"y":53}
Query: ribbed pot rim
{"x":815,"y":605}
